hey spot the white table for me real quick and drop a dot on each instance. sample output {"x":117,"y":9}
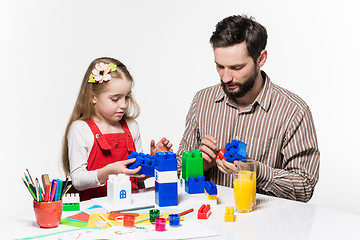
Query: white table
{"x":273,"y":218}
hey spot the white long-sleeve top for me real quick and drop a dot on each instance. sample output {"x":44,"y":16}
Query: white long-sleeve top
{"x":80,"y":142}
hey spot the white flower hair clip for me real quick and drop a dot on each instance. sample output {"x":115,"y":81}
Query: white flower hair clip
{"x":101,"y":72}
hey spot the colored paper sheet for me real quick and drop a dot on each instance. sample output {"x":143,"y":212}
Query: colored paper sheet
{"x":73,"y":223}
{"x":80,"y":216}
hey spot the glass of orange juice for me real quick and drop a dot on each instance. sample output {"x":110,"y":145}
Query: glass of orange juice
{"x":245,"y":186}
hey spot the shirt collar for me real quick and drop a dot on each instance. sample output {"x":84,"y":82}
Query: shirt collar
{"x":263,"y":99}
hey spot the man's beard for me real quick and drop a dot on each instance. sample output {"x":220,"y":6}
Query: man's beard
{"x":243,"y":88}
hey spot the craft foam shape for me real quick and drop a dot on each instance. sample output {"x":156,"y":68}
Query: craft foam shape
{"x":166,"y":189}
{"x":146,"y":161}
{"x":174,"y":220}
{"x":235,"y":150}
{"x":195,"y":185}
{"x":210,"y":188}
{"x":119,"y":189}
{"x":229,"y":214}
{"x":204,"y":211}
{"x":192,"y":164}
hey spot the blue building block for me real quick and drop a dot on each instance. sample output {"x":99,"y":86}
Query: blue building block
{"x":166,"y":194}
{"x":146,"y":161}
{"x":195,"y":185}
{"x":210,"y":188}
{"x":166,"y":161}
{"x":235,"y":150}
{"x":166,"y":189}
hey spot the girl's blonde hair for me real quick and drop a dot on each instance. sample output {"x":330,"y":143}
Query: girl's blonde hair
{"x":84,"y":107}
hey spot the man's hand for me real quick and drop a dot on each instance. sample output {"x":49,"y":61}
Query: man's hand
{"x":226,"y":167}
{"x":208,"y":148}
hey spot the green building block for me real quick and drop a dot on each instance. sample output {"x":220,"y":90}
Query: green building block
{"x":71,"y":206}
{"x":192,"y":164}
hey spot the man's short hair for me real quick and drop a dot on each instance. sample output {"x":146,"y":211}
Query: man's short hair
{"x":237,"y":29}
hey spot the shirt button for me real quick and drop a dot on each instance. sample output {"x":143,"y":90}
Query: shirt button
{"x":116,"y":144}
{"x":98,"y":136}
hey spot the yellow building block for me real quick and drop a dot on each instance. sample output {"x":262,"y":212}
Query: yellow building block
{"x":212,"y":197}
{"x":229,"y":214}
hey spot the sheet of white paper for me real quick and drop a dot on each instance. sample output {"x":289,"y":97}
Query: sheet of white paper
{"x":188,"y":229}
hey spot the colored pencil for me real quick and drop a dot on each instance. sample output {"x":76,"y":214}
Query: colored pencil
{"x":64,"y":186}
{"x":30,"y":190}
{"x":30,"y":177}
{"x":37,"y":191}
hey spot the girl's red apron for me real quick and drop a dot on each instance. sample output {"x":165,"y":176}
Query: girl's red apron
{"x":108,"y":148}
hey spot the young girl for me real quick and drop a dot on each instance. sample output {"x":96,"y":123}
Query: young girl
{"x":102,"y":130}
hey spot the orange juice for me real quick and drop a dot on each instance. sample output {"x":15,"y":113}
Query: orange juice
{"x":254,"y":190}
{"x":244,"y":191}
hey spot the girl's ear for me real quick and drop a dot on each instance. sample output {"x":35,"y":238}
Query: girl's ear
{"x":93,"y":100}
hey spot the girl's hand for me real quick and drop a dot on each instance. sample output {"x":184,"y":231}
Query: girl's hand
{"x":162,"y":146}
{"x":116,"y":168}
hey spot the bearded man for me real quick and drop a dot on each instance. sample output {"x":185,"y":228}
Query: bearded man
{"x":276,"y":124}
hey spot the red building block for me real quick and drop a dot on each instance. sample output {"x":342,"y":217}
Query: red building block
{"x":204,"y":211}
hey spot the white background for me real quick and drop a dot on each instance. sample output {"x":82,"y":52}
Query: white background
{"x":46,"y":46}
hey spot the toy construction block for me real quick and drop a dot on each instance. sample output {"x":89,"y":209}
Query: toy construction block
{"x":195,"y":185}
{"x":210,"y":190}
{"x":71,"y":202}
{"x":204,"y":211}
{"x":192,"y":164}
{"x":166,"y":180}
{"x":119,"y":189}
{"x":146,"y":161}
{"x":220,"y":155}
{"x":235,"y":150}
{"x":229,"y":214}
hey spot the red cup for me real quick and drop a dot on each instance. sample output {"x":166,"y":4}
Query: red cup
{"x":48,"y":214}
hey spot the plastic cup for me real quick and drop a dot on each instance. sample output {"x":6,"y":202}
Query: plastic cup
{"x":245,"y":186}
{"x":48,"y":214}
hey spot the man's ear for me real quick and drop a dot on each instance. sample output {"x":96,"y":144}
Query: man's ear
{"x":262,"y":58}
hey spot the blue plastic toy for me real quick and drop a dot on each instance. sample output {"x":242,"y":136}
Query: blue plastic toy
{"x":210,"y":188}
{"x":235,"y":150}
{"x":195,"y":185}
{"x":146,"y":161}
{"x":166,"y":189}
